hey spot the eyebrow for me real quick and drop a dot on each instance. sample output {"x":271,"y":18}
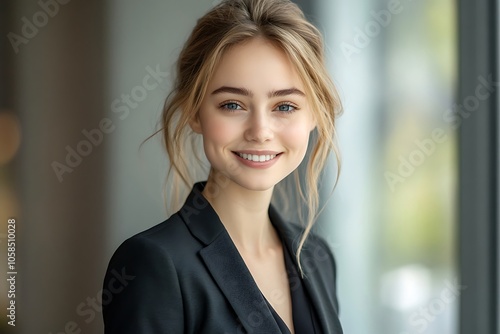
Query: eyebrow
{"x":246,"y":92}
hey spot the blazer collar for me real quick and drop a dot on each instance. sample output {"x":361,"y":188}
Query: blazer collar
{"x":200,"y":217}
{"x":232,"y":275}
{"x":205,"y":224}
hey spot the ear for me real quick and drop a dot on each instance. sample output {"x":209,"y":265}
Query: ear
{"x":195,"y":123}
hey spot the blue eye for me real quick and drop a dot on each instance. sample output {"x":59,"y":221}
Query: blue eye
{"x":231,"y":106}
{"x":286,"y":108}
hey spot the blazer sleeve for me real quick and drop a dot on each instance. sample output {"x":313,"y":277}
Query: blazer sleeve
{"x":141,"y":292}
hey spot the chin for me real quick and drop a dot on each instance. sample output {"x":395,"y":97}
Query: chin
{"x":257,"y":185}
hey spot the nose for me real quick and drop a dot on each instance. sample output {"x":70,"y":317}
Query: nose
{"x":259,"y":127}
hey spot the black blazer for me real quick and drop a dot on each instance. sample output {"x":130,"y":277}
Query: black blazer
{"x":185,"y":275}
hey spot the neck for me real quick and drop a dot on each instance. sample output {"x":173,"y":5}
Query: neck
{"x":244,"y":214}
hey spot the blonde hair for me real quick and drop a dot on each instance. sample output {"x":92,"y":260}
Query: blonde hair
{"x":227,"y":24}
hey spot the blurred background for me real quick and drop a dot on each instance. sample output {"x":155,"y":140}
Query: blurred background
{"x":83,"y":84}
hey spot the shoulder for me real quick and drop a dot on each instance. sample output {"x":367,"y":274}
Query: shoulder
{"x":165,"y":245}
{"x":318,"y":255}
{"x":142,"y":247}
{"x":141,"y":282}
{"x":315,"y":242}
{"x":167,"y":236}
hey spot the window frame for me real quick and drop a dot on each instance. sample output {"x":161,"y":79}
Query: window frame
{"x":479,"y":175}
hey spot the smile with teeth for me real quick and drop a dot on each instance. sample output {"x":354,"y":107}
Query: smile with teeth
{"x":257,"y":158}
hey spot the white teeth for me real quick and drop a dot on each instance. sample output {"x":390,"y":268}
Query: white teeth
{"x":257,"y":158}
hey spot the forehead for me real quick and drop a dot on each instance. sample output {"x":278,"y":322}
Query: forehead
{"x":257,"y":64}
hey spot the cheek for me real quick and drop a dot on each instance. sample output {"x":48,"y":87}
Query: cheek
{"x":296,"y":136}
{"x":217,"y":131}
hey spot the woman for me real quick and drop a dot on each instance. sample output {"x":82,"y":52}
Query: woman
{"x":252,"y":84}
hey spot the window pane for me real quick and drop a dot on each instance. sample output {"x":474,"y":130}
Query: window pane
{"x":392,"y":218}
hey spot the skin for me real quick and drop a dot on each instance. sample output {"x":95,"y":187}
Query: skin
{"x":252,"y":119}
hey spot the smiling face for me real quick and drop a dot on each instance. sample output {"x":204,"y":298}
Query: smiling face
{"x":254,"y":118}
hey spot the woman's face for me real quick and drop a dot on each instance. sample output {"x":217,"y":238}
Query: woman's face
{"x":255,"y":119}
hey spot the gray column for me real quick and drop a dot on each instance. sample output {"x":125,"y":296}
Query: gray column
{"x":59,"y":92}
{"x":479,"y":150}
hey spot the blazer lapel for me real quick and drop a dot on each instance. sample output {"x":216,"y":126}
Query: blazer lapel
{"x":315,"y":288}
{"x":226,"y":264}
{"x":229,"y":270}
